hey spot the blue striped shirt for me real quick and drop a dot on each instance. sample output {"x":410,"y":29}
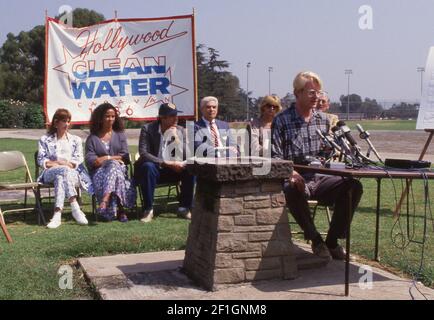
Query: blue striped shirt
{"x":294,"y":138}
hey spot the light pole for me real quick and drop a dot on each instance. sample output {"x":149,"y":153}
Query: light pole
{"x":348,"y":72}
{"x":421,"y":70}
{"x":247,"y":92}
{"x":270,"y":69}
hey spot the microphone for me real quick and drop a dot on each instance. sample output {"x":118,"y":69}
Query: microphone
{"x":365,"y":136}
{"x":342,"y":141}
{"x":347,"y":132}
{"x":328,"y":140}
{"x":323,"y":138}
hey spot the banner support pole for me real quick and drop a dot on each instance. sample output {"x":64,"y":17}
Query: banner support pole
{"x":195,"y":66}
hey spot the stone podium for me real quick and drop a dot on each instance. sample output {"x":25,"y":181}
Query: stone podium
{"x":239,"y":230}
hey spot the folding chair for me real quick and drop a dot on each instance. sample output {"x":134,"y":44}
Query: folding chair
{"x":313,"y":204}
{"x":41,"y":185}
{"x":13,"y":160}
{"x":49,"y":185}
{"x":3,"y":227}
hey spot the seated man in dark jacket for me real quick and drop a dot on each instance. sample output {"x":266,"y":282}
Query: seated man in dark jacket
{"x":162,"y":150}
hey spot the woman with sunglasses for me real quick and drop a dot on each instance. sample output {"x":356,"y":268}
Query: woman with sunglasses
{"x":60,"y":154}
{"x":260,"y":128}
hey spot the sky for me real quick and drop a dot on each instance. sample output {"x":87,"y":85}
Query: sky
{"x":290,"y":36}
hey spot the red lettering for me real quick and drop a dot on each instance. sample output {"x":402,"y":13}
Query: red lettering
{"x":147,"y":37}
{"x":106,"y":45}
{"x":165,"y":32}
{"x":155,"y":36}
{"x":114,"y":40}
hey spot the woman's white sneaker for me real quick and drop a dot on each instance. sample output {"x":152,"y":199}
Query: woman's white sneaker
{"x":80,"y":217}
{"x":56,"y":221}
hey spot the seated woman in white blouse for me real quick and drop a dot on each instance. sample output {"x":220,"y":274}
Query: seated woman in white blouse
{"x":60,"y":154}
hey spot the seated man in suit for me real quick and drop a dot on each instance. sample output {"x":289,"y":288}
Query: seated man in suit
{"x":212,"y":137}
{"x":162,"y":150}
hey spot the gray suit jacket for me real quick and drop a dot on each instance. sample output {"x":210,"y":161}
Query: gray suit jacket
{"x":149,"y":142}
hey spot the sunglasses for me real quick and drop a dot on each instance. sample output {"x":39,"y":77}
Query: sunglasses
{"x":270,"y":106}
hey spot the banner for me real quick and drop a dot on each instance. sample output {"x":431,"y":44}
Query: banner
{"x":134,"y":64}
{"x":425,"y":119}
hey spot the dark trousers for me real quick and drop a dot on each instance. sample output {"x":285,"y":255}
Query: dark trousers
{"x":150,"y":174}
{"x":329,"y":191}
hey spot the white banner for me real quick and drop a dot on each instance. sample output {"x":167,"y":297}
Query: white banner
{"x":425,"y":119}
{"x":134,"y":64}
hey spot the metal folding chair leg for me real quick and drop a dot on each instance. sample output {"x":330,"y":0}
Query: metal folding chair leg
{"x":38,"y":208}
{"x":3,"y":227}
{"x":94,"y":208}
{"x":329,"y":219}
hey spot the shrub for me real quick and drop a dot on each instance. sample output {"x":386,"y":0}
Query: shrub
{"x":34,"y":117}
{"x":18,"y":114}
{"x":12,"y":114}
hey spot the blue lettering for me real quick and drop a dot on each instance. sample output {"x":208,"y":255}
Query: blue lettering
{"x":82,"y":87}
{"x":121,"y":84}
{"x":104,"y":73}
{"x":157,"y":69}
{"x":104,"y":88}
{"x":139,"y":87}
{"x":118,"y":87}
{"x":159,"y":84}
{"x":80,"y":76}
{"x":137,"y":70}
{"x":111,"y":72}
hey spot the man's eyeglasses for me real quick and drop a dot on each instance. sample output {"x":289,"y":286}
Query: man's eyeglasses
{"x":319,"y":93}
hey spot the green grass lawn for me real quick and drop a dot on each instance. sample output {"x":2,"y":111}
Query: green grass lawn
{"x":29,"y":266}
{"x":366,"y":124}
{"x":383,"y":124}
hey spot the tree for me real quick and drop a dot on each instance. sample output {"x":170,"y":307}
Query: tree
{"x":403,"y":111}
{"x":287,"y":100}
{"x":214,"y":80}
{"x":22,"y":60}
{"x":355,"y":103}
{"x":84,"y":17}
{"x":371,"y":108}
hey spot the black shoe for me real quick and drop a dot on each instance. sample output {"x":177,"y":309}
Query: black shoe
{"x":321,"y":251}
{"x":338,"y":253}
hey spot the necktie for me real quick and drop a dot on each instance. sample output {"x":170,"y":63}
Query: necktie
{"x":214,"y":134}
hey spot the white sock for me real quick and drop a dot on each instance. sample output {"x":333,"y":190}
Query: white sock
{"x":75,"y":206}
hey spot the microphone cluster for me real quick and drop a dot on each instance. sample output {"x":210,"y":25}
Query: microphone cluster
{"x":342,"y":144}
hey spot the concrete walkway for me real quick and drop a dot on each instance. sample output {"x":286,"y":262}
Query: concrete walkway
{"x":158,"y":276}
